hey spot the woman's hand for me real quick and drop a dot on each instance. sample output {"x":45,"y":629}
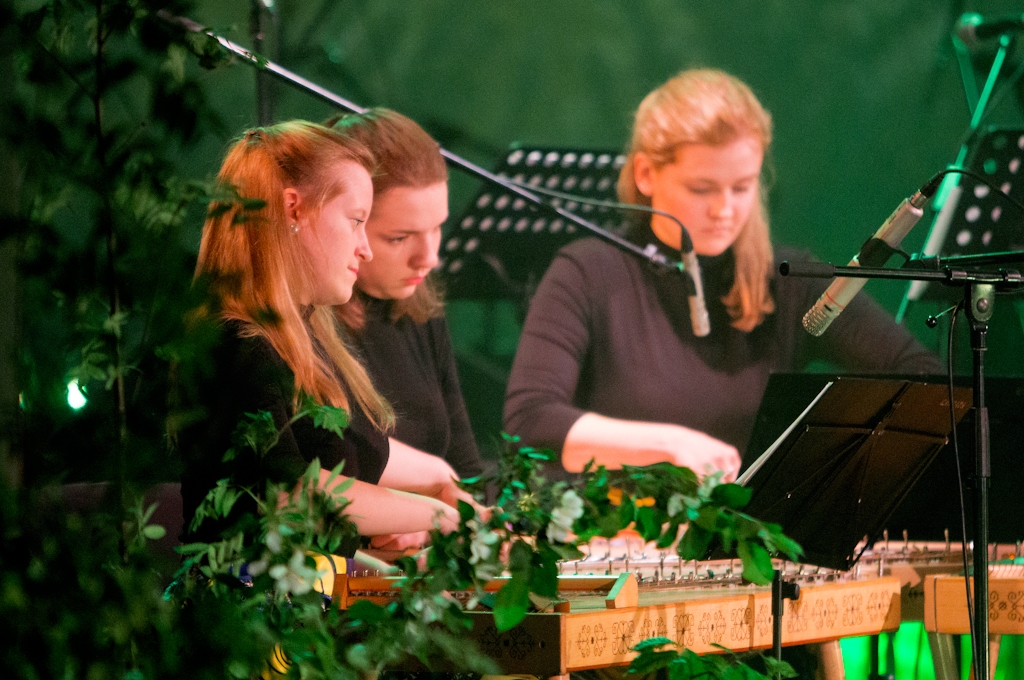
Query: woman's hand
{"x":400,"y":542}
{"x":450,"y":494}
{"x":614,"y":442}
{"x":704,"y":454}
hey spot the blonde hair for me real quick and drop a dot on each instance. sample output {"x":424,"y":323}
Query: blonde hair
{"x":406,"y":157}
{"x":256,"y":269}
{"x":707,"y":106}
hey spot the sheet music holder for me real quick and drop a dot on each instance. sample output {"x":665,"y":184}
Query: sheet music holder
{"x":500,"y":246}
{"x":982,"y":220}
{"x":840,"y":470}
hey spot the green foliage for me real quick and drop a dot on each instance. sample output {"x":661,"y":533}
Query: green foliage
{"x":542,"y":523}
{"x":683,"y":664}
{"x":104,"y":99}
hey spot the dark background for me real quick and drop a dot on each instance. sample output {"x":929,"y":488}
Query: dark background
{"x":867,"y":99}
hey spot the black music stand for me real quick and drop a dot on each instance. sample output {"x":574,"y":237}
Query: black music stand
{"x":837,"y":473}
{"x":501,"y":245}
{"x":979,"y":220}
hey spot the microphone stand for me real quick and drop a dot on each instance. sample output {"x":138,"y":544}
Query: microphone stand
{"x":948,"y":194}
{"x":265,"y":66}
{"x":979,"y":289}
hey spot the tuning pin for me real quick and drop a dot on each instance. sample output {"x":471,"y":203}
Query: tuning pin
{"x":945,"y":533}
{"x":885,"y":539}
{"x":906,"y":541}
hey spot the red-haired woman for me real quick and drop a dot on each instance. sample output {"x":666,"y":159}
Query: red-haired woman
{"x":277,"y":259}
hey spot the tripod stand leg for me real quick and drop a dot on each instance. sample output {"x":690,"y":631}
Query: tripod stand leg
{"x":831,"y":661}
{"x":944,"y":656}
{"x":993,"y":656}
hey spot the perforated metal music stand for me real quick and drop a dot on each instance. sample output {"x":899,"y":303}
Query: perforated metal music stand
{"x":837,"y":474}
{"x":981,"y":220}
{"x":500,"y":246}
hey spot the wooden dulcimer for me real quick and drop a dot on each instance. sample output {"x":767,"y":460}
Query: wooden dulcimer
{"x":599,"y":618}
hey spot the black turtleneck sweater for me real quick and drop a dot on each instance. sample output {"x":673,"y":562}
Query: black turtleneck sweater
{"x":413,"y":366}
{"x":608,"y":334}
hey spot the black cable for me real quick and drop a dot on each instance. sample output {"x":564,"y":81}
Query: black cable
{"x":981,"y":178}
{"x":616,"y":205}
{"x":975,"y":643}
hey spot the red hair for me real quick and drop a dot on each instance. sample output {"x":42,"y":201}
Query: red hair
{"x":256,"y":269}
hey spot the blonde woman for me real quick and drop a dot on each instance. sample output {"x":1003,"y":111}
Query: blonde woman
{"x":608,"y":368}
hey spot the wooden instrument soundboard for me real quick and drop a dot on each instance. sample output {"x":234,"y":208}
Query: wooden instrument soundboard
{"x":599,"y":618}
{"x":945,"y":602}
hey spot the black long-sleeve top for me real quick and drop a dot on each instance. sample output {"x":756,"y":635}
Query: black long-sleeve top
{"x":413,"y":366}
{"x":250,"y":376}
{"x":607,"y":333}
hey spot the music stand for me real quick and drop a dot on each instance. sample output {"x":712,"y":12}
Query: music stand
{"x":500,"y":246}
{"x":841,"y":469}
{"x":980,"y":220}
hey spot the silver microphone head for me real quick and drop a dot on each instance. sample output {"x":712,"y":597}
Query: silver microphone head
{"x":817,"y":320}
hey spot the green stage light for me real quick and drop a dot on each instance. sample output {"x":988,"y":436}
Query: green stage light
{"x":76,"y":398}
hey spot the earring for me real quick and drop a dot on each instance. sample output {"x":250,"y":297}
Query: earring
{"x":295,"y":228}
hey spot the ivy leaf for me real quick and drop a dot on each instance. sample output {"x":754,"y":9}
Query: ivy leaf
{"x":257,"y":431}
{"x":566,"y":551}
{"x":757,"y":563}
{"x":520,"y":559}
{"x":544,"y":573}
{"x":647,"y":523}
{"x":651,"y":661}
{"x":330,"y":418}
{"x":511,"y":603}
{"x":731,"y":495}
{"x":695,"y":542}
{"x":778,"y":669}
{"x":466,"y":511}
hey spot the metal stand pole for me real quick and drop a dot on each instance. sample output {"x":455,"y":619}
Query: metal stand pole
{"x":979,"y":306}
{"x":781,"y":590}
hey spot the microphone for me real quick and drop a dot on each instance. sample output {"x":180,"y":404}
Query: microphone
{"x":698,"y":310}
{"x":874,"y":253}
{"x":972,"y":28}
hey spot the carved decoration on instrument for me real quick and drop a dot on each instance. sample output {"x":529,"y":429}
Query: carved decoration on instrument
{"x":763,"y":621}
{"x":825,"y":613}
{"x":656,"y":629}
{"x":742,"y":618}
{"x":584,"y":640}
{"x":852,"y":614}
{"x":1016,"y":601}
{"x":599,"y":640}
{"x":712,"y":627}
{"x":794,"y":617}
{"x":622,"y":636}
{"x":875,"y":606}
{"x":831,"y":613}
{"x":517,"y":643}
{"x":684,"y":629}
{"x":994,"y":605}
